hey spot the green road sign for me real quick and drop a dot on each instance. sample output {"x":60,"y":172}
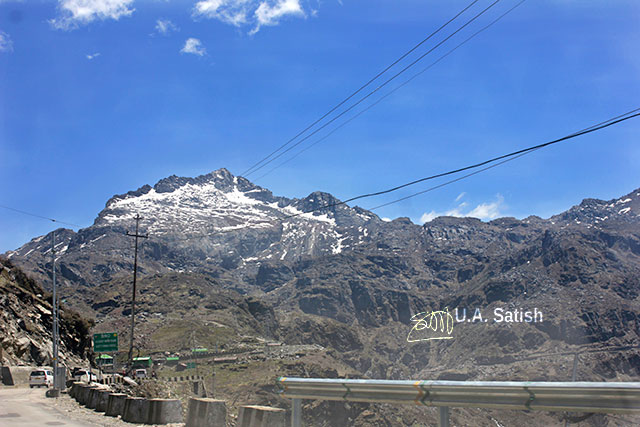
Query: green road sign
{"x":104,"y":343}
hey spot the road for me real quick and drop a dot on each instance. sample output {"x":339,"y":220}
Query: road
{"x":29,"y":407}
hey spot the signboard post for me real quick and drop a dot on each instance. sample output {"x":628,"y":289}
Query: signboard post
{"x":105,"y":343}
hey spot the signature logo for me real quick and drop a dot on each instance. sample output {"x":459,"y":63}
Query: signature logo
{"x":431,"y":325}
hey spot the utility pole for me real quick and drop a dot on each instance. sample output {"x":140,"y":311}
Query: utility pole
{"x":133,"y":296}
{"x":54,"y":304}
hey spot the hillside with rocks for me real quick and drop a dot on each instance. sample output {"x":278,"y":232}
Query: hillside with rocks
{"x":226,"y":260}
{"x":26,"y":322}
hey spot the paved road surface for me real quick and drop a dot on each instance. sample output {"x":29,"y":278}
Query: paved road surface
{"x":29,"y":407}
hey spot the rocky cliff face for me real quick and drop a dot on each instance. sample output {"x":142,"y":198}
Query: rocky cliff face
{"x":26,"y":322}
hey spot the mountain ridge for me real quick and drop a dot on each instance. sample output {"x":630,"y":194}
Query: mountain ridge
{"x":350,"y":283}
{"x":188,"y":217}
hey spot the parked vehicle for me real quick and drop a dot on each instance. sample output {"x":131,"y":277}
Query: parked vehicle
{"x":141,"y":373}
{"x":84,"y":375}
{"x":41,"y":378}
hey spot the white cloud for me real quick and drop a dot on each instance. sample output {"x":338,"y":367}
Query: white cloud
{"x":6,"y":44}
{"x":165,"y":26}
{"x":82,"y":12}
{"x":254,"y":13}
{"x":460,"y":196}
{"x":269,"y":13}
{"x":428,"y":216}
{"x":488,"y":210}
{"x":484,"y":211}
{"x":193,"y":45}
{"x":93,"y":55}
{"x":232,"y":12}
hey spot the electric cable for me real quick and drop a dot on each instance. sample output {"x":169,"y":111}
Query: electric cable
{"x":362,"y":87}
{"x":591,"y":129}
{"x":500,"y":159}
{"x":390,"y":92}
{"x":40,"y":216}
{"x":586,"y":130}
{"x":266,"y":162}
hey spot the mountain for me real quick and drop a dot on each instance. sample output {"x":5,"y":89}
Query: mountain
{"x":198,"y":225}
{"x":222,"y":251}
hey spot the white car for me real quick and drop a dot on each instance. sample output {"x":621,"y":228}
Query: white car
{"x":85,"y":376}
{"x":141,"y":373}
{"x":41,"y":378}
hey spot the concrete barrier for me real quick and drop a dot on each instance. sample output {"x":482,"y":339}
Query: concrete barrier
{"x":261,"y":416}
{"x":78,"y":391}
{"x":184,"y":378}
{"x":206,"y":413}
{"x":92,"y":400}
{"x":75,"y":389}
{"x":136,"y":410}
{"x":72,"y":390}
{"x":102,"y":400}
{"x":115,"y":404}
{"x":165,"y":411}
{"x":85,"y":393}
{"x":7,"y":378}
{"x":111,"y":379}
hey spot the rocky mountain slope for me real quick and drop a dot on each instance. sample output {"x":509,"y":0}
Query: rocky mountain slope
{"x":224,"y":252}
{"x":198,"y":225}
{"x":26,"y":319}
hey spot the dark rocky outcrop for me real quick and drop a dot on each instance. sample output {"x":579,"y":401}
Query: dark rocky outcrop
{"x":26,"y":323}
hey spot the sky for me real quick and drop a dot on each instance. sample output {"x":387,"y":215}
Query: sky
{"x":100,"y":97}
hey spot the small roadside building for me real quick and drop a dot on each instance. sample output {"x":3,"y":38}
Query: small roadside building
{"x":142,"y":362}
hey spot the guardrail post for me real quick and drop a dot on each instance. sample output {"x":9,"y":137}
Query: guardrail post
{"x":443,"y":420}
{"x":296,"y":412}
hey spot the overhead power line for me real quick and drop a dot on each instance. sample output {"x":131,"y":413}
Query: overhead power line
{"x":265,"y":160}
{"x":582,"y":132}
{"x":488,"y":164}
{"x":391,"y":92}
{"x":377,"y":88}
{"x":40,"y":216}
{"x":590,"y":129}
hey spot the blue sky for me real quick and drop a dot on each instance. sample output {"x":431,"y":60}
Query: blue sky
{"x":99,"y":97}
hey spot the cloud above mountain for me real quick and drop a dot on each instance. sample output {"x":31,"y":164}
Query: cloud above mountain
{"x":484,"y":211}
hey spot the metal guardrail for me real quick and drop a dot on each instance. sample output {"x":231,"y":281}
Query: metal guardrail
{"x":603,"y":397}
